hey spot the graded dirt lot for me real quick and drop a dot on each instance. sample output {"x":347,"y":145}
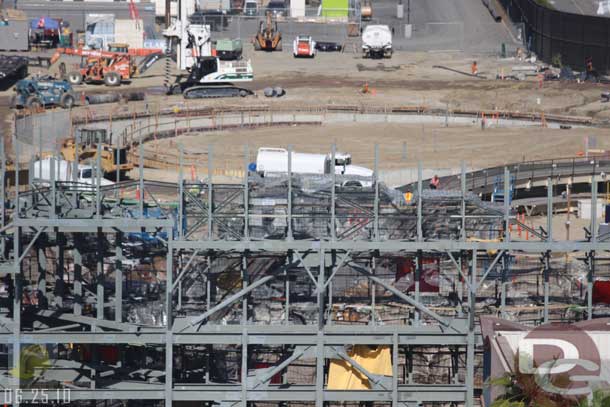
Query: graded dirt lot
{"x":435,"y":145}
{"x":407,"y":79}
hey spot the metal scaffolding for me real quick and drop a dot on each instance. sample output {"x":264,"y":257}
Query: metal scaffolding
{"x":202,"y":227}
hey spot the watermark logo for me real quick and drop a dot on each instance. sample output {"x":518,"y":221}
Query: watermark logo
{"x":563,"y":358}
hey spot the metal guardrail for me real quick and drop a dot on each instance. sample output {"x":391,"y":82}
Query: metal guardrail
{"x":562,"y":170}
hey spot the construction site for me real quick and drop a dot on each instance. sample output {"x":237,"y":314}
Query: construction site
{"x":307,"y":204}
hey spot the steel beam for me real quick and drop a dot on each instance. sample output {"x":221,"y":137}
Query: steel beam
{"x":392,"y":246}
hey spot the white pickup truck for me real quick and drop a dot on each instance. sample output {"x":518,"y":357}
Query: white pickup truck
{"x":63,"y":172}
{"x":377,"y":42}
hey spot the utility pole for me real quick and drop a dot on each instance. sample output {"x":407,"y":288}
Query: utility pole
{"x":168,"y":13}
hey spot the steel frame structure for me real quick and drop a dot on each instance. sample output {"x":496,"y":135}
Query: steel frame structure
{"x":58,"y":211}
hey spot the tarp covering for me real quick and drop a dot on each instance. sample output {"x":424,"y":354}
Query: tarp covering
{"x":376,"y":360}
{"x":46,"y":23}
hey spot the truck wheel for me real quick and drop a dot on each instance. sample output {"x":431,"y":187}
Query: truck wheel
{"x":33,"y":103}
{"x":112,"y":79}
{"x":75,"y":78}
{"x":67,"y":101}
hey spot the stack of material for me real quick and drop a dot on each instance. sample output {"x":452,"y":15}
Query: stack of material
{"x":12,"y":68}
{"x":13,"y":30}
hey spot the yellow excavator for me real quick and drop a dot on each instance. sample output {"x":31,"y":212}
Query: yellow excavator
{"x":85,"y":142}
{"x":268,"y":38}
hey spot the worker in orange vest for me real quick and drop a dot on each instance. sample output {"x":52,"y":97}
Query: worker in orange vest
{"x":474,"y":69}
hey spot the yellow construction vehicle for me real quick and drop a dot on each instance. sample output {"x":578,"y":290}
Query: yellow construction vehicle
{"x":268,"y":38}
{"x":85,"y":145}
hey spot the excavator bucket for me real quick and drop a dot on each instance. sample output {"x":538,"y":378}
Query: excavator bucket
{"x":268,"y":37}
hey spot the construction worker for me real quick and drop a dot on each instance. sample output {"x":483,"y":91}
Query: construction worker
{"x":435,"y":182}
{"x":590,"y":74}
{"x":474,"y":69}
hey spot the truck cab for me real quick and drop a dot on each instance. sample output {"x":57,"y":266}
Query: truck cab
{"x":377,"y":42}
{"x":118,"y":47}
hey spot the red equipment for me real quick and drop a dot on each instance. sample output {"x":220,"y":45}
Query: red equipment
{"x":111,"y":70}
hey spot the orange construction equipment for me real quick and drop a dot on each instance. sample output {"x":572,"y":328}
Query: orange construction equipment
{"x":111,"y":70}
{"x":111,"y":66}
{"x":268,"y":38}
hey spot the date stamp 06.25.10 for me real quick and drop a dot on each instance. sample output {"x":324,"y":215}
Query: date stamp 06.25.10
{"x":35,"y":396}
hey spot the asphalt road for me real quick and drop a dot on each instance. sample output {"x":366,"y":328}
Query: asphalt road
{"x":437,"y":25}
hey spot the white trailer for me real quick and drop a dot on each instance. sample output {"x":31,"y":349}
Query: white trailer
{"x":275,"y":160}
{"x":271,"y":161}
{"x":48,"y":169}
{"x":377,"y":41}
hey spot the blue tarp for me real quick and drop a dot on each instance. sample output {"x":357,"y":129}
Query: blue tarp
{"x":47,"y":23}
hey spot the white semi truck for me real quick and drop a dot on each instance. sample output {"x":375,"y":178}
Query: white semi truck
{"x":270,"y":161}
{"x":63,"y":171}
{"x":377,"y":42}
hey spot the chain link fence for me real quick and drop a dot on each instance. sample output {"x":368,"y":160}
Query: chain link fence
{"x":40,"y":133}
{"x":346,"y":29}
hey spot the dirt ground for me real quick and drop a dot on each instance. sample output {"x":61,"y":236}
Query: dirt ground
{"x":435,"y":145}
{"x":406,"y":79}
